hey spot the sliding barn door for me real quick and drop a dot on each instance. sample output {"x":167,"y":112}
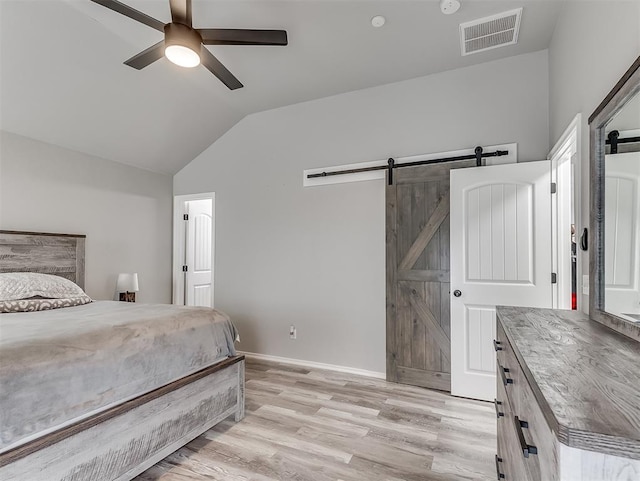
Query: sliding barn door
{"x":418,"y":317}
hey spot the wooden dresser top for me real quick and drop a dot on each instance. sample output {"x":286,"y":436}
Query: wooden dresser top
{"x":586,"y":377}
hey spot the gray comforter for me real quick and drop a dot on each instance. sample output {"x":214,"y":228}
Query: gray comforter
{"x":59,"y":366}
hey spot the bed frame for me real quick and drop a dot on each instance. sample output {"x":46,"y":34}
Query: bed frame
{"x":125,"y":440}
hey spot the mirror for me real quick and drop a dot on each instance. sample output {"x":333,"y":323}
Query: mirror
{"x":622,"y":213}
{"x":615,"y":207}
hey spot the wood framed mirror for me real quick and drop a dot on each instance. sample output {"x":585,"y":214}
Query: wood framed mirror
{"x":614,"y":260}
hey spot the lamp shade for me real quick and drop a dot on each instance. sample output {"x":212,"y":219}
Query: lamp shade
{"x":127,"y":282}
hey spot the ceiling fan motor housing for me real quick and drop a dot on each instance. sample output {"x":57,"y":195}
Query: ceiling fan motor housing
{"x":179,"y":34}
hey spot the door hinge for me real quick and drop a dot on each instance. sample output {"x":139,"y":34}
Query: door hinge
{"x":185,"y":217}
{"x":554,"y":187}
{"x":185,"y":268}
{"x":554,"y":278}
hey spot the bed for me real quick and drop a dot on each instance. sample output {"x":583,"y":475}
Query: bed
{"x":102,"y":391}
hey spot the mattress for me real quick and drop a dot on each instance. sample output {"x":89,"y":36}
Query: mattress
{"x":60,"y":366}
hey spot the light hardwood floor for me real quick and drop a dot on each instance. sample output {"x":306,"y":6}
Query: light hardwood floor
{"x":312,"y":425}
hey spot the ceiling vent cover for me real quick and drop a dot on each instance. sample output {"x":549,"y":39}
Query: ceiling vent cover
{"x":490,"y":32}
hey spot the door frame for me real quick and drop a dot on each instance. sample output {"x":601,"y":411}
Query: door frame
{"x":570,"y":140}
{"x":179,"y":243}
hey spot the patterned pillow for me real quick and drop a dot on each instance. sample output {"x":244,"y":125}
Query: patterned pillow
{"x":40,"y":304}
{"x":23,"y":285}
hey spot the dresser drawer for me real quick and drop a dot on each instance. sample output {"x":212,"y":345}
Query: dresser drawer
{"x":528,"y":443}
{"x":534,"y":431}
{"x":500,"y":343}
{"x":509,"y":373}
{"x":502,"y":408}
{"x":509,"y":462}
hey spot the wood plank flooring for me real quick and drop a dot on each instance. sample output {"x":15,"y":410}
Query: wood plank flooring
{"x":313,"y":425}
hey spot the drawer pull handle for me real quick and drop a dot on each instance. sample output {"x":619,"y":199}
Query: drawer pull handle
{"x":497,"y":403}
{"x":505,"y":380}
{"x":498,"y":473}
{"x":496,"y":345}
{"x":527,"y":449}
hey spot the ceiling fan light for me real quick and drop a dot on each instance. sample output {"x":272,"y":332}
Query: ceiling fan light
{"x":182,"y":45}
{"x":182,"y":56}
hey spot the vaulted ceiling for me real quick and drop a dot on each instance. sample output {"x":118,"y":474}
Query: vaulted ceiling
{"x":62,"y":79}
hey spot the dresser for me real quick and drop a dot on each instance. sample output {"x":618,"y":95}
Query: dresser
{"x":568,"y":398}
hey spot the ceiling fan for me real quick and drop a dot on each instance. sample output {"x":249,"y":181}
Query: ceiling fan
{"x":185,"y":45}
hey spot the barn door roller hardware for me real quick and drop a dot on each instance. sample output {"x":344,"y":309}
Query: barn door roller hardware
{"x":613,"y":139}
{"x":391,"y":164}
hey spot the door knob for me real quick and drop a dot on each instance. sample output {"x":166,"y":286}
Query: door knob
{"x":457,"y":293}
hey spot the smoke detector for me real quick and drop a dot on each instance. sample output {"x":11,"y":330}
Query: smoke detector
{"x":490,"y":32}
{"x":378,"y":21}
{"x":449,"y":6}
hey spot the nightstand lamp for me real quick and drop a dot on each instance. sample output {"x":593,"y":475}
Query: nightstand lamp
{"x":127,"y":286}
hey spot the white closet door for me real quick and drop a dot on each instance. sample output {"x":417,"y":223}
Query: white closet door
{"x":500,"y":255}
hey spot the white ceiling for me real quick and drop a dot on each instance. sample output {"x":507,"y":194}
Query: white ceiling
{"x":62,"y":79}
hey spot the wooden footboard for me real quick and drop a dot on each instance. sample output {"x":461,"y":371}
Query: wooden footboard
{"x":123,"y":441}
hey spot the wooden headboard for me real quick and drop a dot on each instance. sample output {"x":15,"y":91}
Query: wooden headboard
{"x":58,"y":254}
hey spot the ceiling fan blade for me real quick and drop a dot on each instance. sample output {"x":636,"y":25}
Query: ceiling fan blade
{"x":232,"y":36}
{"x":132,"y":13}
{"x":219,"y":70}
{"x":181,"y":11}
{"x":147,"y":57}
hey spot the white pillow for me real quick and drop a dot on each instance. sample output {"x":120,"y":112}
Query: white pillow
{"x":23,"y":285}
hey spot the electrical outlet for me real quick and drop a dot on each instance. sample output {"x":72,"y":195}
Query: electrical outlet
{"x":585,"y":285}
{"x":292,"y":332}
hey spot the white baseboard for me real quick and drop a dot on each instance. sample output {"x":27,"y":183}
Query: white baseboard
{"x":313,"y":364}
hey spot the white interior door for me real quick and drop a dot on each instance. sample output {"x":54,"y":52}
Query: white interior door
{"x":199,"y":247}
{"x":500,"y":255}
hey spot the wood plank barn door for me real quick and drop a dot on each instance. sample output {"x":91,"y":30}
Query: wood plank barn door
{"x":418,"y":313}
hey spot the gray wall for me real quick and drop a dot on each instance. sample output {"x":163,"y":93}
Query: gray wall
{"x":594,"y":43}
{"x":124,"y":211}
{"x":314,"y":257}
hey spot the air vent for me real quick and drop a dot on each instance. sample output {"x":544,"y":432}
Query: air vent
{"x":490,"y":32}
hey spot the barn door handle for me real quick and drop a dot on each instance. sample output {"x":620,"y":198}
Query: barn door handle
{"x":457,"y":293}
